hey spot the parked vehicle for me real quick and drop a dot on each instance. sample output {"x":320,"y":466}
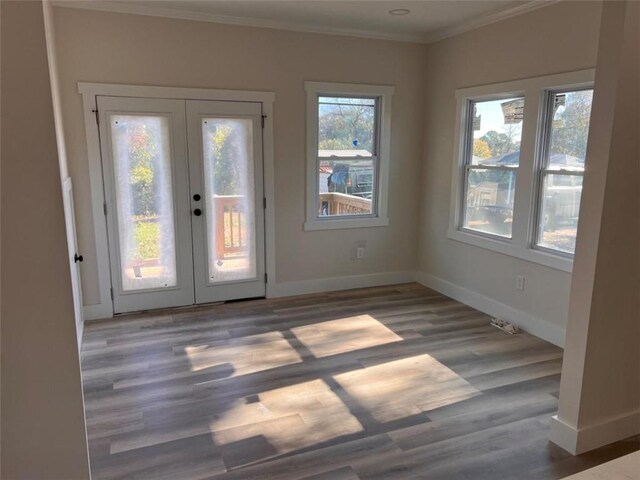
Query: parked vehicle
{"x":352,"y":179}
{"x":491,"y":201}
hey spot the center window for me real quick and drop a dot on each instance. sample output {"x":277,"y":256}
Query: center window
{"x":347,"y":155}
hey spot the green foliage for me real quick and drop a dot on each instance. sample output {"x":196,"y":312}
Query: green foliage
{"x":227,"y":170}
{"x":142,"y":155}
{"x":339,"y":125}
{"x":568,"y":135}
{"x":571,"y":125}
{"x":500,"y":143}
{"x":147,"y":239}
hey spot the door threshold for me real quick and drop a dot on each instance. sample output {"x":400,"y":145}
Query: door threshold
{"x":157,"y":311}
{"x":193,"y":307}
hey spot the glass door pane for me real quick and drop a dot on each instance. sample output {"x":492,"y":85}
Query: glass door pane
{"x":144,"y":200}
{"x":230,"y":198}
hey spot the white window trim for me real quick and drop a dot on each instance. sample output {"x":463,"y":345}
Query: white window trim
{"x":521,"y":244}
{"x":379,"y":219}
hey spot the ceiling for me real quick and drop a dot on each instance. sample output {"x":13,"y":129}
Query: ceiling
{"x":428,"y":20}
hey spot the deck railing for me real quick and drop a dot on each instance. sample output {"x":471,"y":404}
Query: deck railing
{"x":335,"y":203}
{"x":231,"y":226}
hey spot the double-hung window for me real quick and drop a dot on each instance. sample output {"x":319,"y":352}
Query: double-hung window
{"x":348,"y":135}
{"x":520,"y":155}
{"x":564,"y":151}
{"x":494,"y":130}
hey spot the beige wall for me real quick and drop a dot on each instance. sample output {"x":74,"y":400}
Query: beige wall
{"x":43,"y":434}
{"x":600,"y":389}
{"x":559,"y":38}
{"x":117,"y":48}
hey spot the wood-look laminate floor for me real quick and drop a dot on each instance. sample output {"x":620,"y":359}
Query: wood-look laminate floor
{"x":383,"y":383}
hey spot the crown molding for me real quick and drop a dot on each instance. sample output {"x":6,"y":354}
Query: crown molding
{"x":487,"y":19}
{"x":183,"y":14}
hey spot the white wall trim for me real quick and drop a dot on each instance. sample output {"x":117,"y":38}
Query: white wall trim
{"x":534,"y":325}
{"x":577,"y":441}
{"x":104,"y":308}
{"x":563,"y":435}
{"x":530,"y":323}
{"x":302,"y":287}
{"x":551,"y":260}
{"x":89,"y":91}
{"x":179,"y":93}
{"x":350,"y":222}
{"x":186,"y":14}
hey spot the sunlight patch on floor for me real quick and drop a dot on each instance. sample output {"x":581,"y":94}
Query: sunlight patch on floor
{"x":302,"y":415}
{"x":247,"y":355}
{"x":409,"y":386}
{"x":344,"y":335}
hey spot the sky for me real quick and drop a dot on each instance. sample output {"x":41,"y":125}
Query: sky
{"x":492,"y":118}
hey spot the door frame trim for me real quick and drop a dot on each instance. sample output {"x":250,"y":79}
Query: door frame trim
{"x":89,"y":92}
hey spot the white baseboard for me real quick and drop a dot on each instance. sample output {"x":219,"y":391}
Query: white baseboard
{"x":534,"y":325}
{"x":563,"y":435}
{"x":529,"y":323}
{"x":97,"y":312}
{"x":286,"y":289}
{"x":580,"y":440}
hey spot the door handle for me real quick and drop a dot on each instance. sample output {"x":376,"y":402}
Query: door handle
{"x":77,"y":258}
{"x":197,"y":212}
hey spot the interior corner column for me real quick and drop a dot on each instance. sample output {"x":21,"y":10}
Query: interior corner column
{"x":600,"y":387}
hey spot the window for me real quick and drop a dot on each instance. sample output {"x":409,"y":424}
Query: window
{"x":347,"y":155}
{"x":562,"y":167}
{"x":493,"y":156}
{"x":520,"y":154}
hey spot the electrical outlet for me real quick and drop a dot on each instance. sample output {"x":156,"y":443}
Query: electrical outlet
{"x":519,"y":282}
{"x":359,"y":253}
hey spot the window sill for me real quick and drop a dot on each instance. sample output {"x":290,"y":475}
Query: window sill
{"x":345,"y":223}
{"x":505,"y":247}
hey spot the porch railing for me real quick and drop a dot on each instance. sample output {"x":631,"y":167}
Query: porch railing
{"x":335,"y":203}
{"x":231,"y":226}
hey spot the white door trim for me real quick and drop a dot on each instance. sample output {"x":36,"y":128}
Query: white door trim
{"x":89,"y":92}
{"x":72,"y":249}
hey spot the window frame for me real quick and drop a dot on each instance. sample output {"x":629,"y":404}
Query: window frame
{"x":542,"y":164}
{"x":380,"y":158}
{"x":525,"y":211}
{"x":467,"y":160}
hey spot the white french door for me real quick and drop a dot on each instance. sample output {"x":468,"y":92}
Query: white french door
{"x":183,"y":191}
{"x":225,"y":166}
